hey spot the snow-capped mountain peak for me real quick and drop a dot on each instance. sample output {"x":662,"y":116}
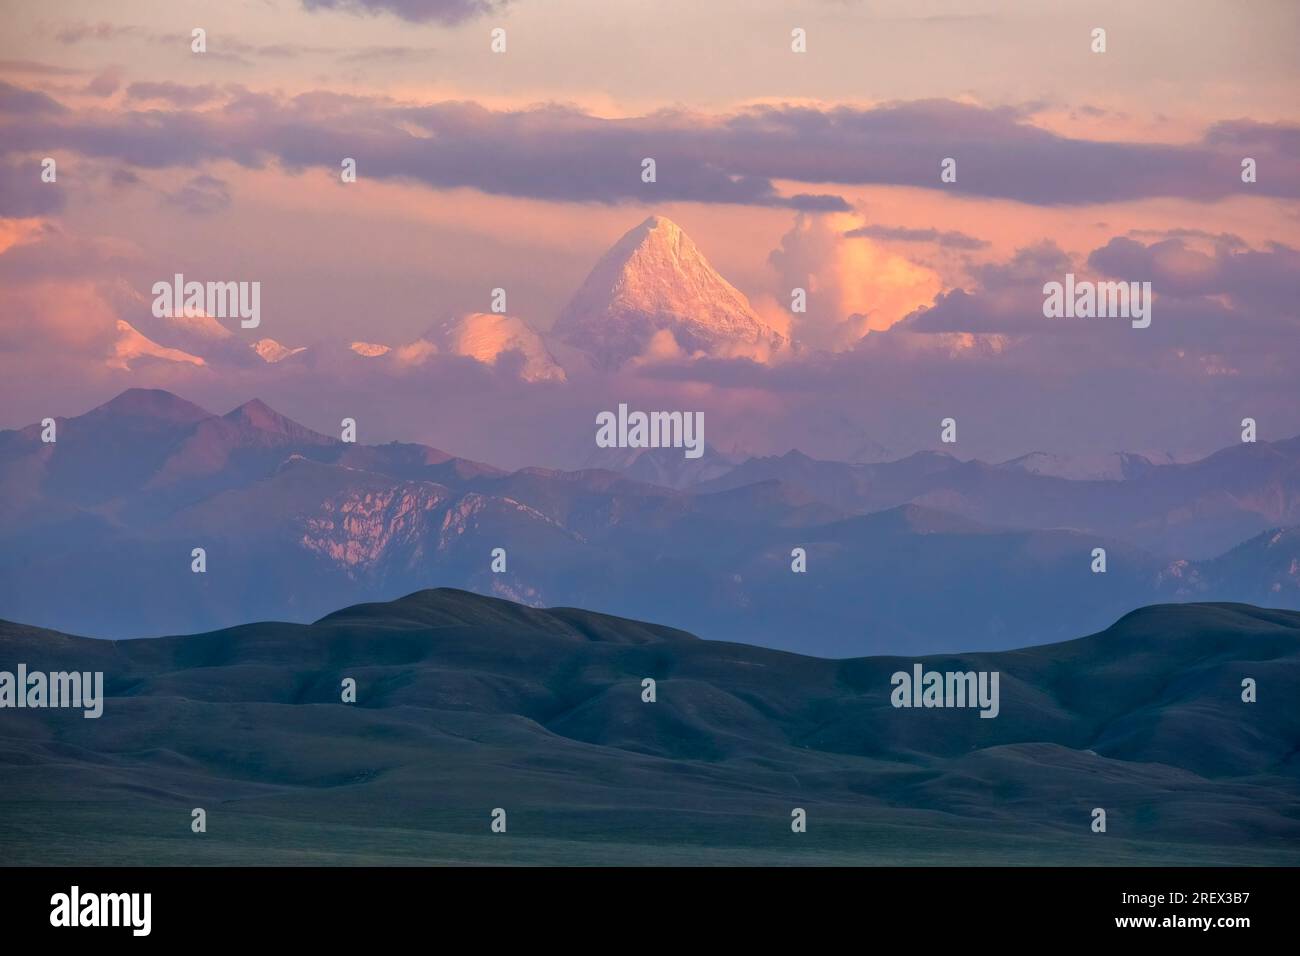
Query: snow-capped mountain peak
{"x":655,"y":290}
{"x":488,"y":336}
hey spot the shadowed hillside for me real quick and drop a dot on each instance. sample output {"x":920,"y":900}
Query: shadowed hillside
{"x":468,"y":703}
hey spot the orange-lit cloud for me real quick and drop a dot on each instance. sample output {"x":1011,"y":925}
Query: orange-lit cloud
{"x":854,"y":285}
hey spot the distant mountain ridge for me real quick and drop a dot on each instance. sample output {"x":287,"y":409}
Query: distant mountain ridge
{"x":1117,"y":466}
{"x":1198,"y":509}
{"x":926,"y":553}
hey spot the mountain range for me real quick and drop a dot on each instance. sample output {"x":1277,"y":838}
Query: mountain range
{"x":467,"y":703}
{"x":925,"y":554}
{"x":653,"y":295}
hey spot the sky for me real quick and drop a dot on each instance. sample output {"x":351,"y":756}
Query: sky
{"x":479,"y":170}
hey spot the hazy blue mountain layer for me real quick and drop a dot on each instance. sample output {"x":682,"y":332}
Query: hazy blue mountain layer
{"x":922,"y":555}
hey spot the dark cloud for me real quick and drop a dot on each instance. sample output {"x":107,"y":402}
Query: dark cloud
{"x":1231,"y":301}
{"x":202,"y":195}
{"x":17,"y":102}
{"x":104,"y":83}
{"x":1266,"y":280}
{"x":1280,"y":140}
{"x":961,"y":311}
{"x":417,"y":11}
{"x":1027,"y":267}
{"x":1226,"y":238}
{"x":55,"y":253}
{"x":1007,"y":297}
{"x":560,"y":153}
{"x":950,"y":239}
{"x":546,"y":153}
{"x":23,"y":194}
{"x":998,"y":154}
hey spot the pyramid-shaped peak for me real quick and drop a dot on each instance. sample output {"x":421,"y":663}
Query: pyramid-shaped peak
{"x":654,"y":286}
{"x":660,"y":226}
{"x":254,"y":406}
{"x":657,"y":232}
{"x":151,"y":403}
{"x":255,"y":413}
